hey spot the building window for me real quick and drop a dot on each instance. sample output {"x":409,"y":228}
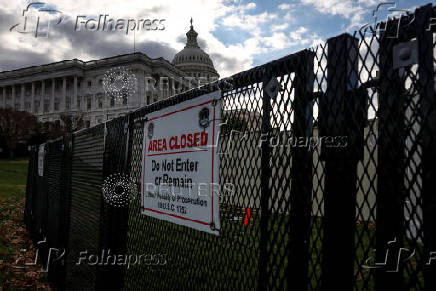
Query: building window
{"x":27,"y":105}
{"x":124,"y":99}
{"x":67,"y":103}
{"x":112,"y":101}
{"x":88,"y":103}
{"x":148,"y":99}
{"x":56,"y":104}
{"x":99,"y":100}
{"x":17,"y":106}
{"x":89,"y":84}
{"x":100,"y":82}
{"x":78,"y":102}
{"x":46,"y":105}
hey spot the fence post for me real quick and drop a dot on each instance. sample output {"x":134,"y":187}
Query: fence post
{"x":341,"y":116}
{"x":30,"y":189}
{"x":428,"y":114}
{"x":265,"y":180}
{"x":390,"y":167}
{"x":301,"y":175}
{"x":113,"y":226}
{"x":65,"y":192}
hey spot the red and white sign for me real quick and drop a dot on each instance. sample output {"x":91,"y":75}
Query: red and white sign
{"x":180,"y":163}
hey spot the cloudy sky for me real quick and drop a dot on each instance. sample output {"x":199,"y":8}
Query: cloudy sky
{"x":237,"y":34}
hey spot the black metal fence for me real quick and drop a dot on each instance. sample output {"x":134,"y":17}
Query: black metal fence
{"x":353,"y":208}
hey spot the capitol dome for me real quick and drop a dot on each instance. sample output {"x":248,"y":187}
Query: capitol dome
{"x":193,"y":60}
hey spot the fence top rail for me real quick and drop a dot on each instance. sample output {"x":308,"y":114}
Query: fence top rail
{"x":277,"y":68}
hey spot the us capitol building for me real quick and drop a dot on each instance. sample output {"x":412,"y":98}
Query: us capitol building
{"x":75,"y":88}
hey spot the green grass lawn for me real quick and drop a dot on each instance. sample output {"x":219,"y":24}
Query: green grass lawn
{"x":13,"y":234}
{"x":13,"y":176}
{"x":198,"y":258}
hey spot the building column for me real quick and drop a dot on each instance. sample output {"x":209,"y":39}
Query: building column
{"x":106,"y":103}
{"x":42,"y":102}
{"x":63,"y":100}
{"x":52,"y":99}
{"x":23,"y":89}
{"x":140,"y":88}
{"x":74,"y":101}
{"x":32,"y":99}
{"x":171,"y":85}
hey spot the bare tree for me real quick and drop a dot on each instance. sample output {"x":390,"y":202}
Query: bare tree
{"x":72,"y":122}
{"x":15,"y":127}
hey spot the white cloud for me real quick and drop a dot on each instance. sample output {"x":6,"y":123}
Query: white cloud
{"x":279,"y":27}
{"x":249,"y":22}
{"x":345,"y":8}
{"x":288,"y":17}
{"x":297,"y":34}
{"x":316,"y":40}
{"x":285,"y":6}
{"x":368,"y":3}
{"x":278,"y":40}
{"x":250,"y":5}
{"x":68,"y":44}
{"x":263,"y":31}
{"x":356,"y":13}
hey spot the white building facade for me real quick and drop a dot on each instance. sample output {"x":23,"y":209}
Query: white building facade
{"x":75,"y":88}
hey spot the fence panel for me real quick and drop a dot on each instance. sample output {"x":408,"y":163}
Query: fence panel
{"x":196,"y":260}
{"x":86,"y":181}
{"x":340,"y":116}
{"x":355,"y":215}
{"x":113,"y":217}
{"x":426,"y":84}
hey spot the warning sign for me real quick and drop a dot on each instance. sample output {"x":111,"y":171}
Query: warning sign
{"x":180,"y":163}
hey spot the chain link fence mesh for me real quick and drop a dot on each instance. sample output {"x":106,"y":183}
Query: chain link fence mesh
{"x":335,"y":173}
